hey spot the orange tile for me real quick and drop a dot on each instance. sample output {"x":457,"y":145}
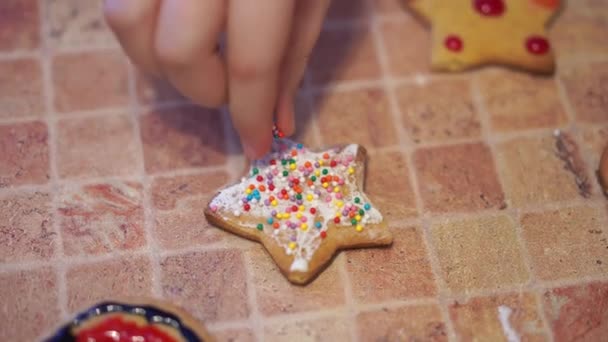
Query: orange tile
{"x":389,"y":186}
{"x":578,"y":313}
{"x":399,"y":272}
{"x":323,"y":329}
{"x":90,"y":80}
{"x":517,"y":101}
{"x":594,"y":138}
{"x":567,"y":243}
{"x":211,"y":284}
{"x":495,"y":318}
{"x":411,"y":323}
{"x":178,"y":202}
{"x":21,"y":89}
{"x":469,"y":251}
{"x":276,"y":295}
{"x":361,"y":116}
{"x":77,"y":23}
{"x":152,"y":90}
{"x":438,"y":111}
{"x":91,"y":283}
{"x":532,"y":173}
{"x":344,"y":54}
{"x":182,"y":137}
{"x":101,"y":218}
{"x":348,"y":10}
{"x":24,"y":154}
{"x":30,"y":304}
{"x":408,"y":47}
{"x":26,"y":227}
{"x":586,"y":88}
{"x":96,"y":147}
{"x":234,"y":335}
{"x":19,"y":25}
{"x":458,"y":178}
{"x":577,"y":34}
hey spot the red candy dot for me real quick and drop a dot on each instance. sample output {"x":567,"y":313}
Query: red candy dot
{"x":273,"y":162}
{"x":275,"y":225}
{"x":294,"y":208}
{"x":336,"y":220}
{"x":246,"y":207}
{"x":284,"y":192}
{"x":333,"y":163}
{"x":537,"y":45}
{"x":453,"y":43}
{"x":271,"y":187}
{"x":491,"y":8}
{"x":259,"y":178}
{"x":313,"y":210}
{"x":323,"y":234}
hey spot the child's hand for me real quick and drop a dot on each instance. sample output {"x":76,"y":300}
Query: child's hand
{"x":269,"y":42}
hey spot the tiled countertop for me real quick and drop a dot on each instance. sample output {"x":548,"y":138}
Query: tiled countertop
{"x":104,"y":174}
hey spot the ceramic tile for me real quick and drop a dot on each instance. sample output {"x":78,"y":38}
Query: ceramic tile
{"x":89,"y":284}
{"x":458,"y":178}
{"x":567,"y":243}
{"x":470,"y":250}
{"x":90,"y":80}
{"x":234,"y":335}
{"x":29,"y":304}
{"x":24,"y":154}
{"x":182,"y":137}
{"x":408,"y":46}
{"x":577,"y":34}
{"x":26,"y":227}
{"x":517,"y":101}
{"x":586,"y":87}
{"x":77,"y":23}
{"x":21,"y":89}
{"x":400,"y":272}
{"x":19,"y":25}
{"x":360,"y":116}
{"x":320,"y":330}
{"x":96,"y":147}
{"x":438,"y":111}
{"x":411,"y":323}
{"x":101,"y":218}
{"x":211,"y":284}
{"x":594,"y":138}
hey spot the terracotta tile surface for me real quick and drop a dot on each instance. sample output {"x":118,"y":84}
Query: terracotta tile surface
{"x":400,"y":272}
{"x":182,"y":137}
{"x":498,"y":318}
{"x":470,"y":250}
{"x":361,"y":117}
{"x":578,"y":313}
{"x":26,"y":227}
{"x":77,"y":23}
{"x":29,"y":304}
{"x":21,"y":89}
{"x":586,"y":87}
{"x":517,"y":101}
{"x":90,"y":80}
{"x":532,"y":173}
{"x":458,"y":178}
{"x":415,"y":323}
{"x":344,"y":54}
{"x":209,"y":284}
{"x":95,"y":147}
{"x":406,"y":56}
{"x":275,"y":295}
{"x":25,"y":154}
{"x":438,"y":111}
{"x":19,"y":25}
{"x":462,"y":166}
{"x":322,"y":330}
{"x":89,"y":284}
{"x":101,"y":218}
{"x":389,"y":186}
{"x":567,"y":243}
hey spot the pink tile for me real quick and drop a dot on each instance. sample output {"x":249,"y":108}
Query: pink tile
{"x":89,"y":81}
{"x":408,"y":46}
{"x":320,"y":329}
{"x":21,"y":89}
{"x":24,"y":154}
{"x":211,"y":284}
{"x":19,"y":25}
{"x":96,"y":147}
{"x":234,"y":335}
{"x":26,"y":227}
{"x":182,"y":137}
{"x":29,"y":304}
{"x":410,"y":323}
{"x":76,"y":23}
{"x":91,"y":283}
{"x":101,"y":218}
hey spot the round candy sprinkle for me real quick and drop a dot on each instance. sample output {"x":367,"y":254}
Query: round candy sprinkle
{"x":313,"y":210}
{"x":292,"y":245}
{"x":260,"y":226}
{"x":367,"y":206}
{"x":285,"y":173}
{"x":255,"y":171}
{"x":353,"y":222}
{"x":246,"y":207}
{"x":359,"y":228}
{"x":270,"y":220}
{"x":325,"y":171}
{"x":323,"y":234}
{"x":361,"y":212}
{"x":336,"y":220}
{"x":357,"y":200}
{"x":318,"y":224}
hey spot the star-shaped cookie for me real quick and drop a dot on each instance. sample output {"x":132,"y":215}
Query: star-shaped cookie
{"x":469,"y":33}
{"x":302,"y":206}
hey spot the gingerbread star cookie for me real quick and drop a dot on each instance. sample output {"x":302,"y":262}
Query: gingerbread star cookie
{"x":469,"y":33}
{"x":302,"y":206}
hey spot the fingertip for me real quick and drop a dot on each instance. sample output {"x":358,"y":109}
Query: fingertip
{"x":286,"y":116}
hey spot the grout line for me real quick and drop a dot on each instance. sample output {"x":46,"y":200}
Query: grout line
{"x":255,"y":318}
{"x":349,"y":298}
